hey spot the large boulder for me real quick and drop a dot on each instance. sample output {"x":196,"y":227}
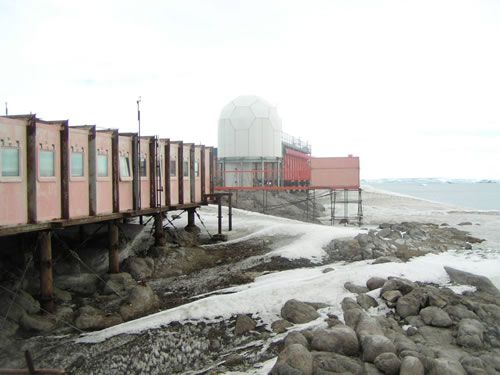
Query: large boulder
{"x":339,"y":339}
{"x":387,"y":259}
{"x":482,"y":283}
{"x":27,"y":302}
{"x":366,"y":301}
{"x":90,"y":318}
{"x":411,"y":366}
{"x":37,"y":323}
{"x":10,"y":309}
{"x":296,"y":338}
{"x":411,"y":303}
{"x":244,"y":324}
{"x":8,"y":328}
{"x":475,"y":365}
{"x":459,"y":312}
{"x":470,"y":333}
{"x":374,"y":345}
{"x":446,"y":366}
{"x":436,"y":317}
{"x":333,"y":363}
{"x":375,"y":282}
{"x":140,"y":268}
{"x":298,"y":312}
{"x":388,"y":363}
{"x":84,"y":283}
{"x":392,"y":296}
{"x":118,"y":283}
{"x":281,"y":325}
{"x":368,"y":326}
{"x":294,"y":359}
{"x":353,"y":288}
{"x":397,"y":283}
{"x":141,"y":300}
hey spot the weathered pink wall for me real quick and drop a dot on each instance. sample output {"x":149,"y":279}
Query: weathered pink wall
{"x":48,"y":191}
{"x":125,"y":187}
{"x":335,"y":172}
{"x":174,"y":183}
{"x":187,"y":182}
{"x":104,"y":185}
{"x":79,"y":186}
{"x":197,"y":157}
{"x":145,"y":181}
{"x":14,"y":190}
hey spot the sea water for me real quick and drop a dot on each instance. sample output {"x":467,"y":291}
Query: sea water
{"x":468,"y":195}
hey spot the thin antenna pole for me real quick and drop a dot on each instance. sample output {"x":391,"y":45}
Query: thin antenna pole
{"x":139,"y":146}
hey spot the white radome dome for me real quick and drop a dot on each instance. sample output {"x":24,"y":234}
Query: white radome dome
{"x":249,"y":127}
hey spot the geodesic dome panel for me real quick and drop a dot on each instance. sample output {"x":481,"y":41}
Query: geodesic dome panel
{"x":249,"y":127}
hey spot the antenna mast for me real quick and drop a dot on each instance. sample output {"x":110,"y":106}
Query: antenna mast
{"x":139,"y":148}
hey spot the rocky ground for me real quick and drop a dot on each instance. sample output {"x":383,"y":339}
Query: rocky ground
{"x":426,"y":330}
{"x":387,"y":326}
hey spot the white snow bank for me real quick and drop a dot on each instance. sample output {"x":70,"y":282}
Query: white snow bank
{"x":268,"y":293}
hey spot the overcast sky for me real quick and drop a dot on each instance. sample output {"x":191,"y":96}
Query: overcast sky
{"x":412,"y":87}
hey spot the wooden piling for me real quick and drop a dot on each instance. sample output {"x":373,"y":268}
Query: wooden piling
{"x":219,"y":215}
{"x":230,"y":212}
{"x":159,"y":233}
{"x":46,"y":275}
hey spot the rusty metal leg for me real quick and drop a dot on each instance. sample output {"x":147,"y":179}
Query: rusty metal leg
{"x":219,"y":215}
{"x":114,"y":256}
{"x":46,"y":276}
{"x":191,"y":226}
{"x":230,"y":212}
{"x":159,"y":233}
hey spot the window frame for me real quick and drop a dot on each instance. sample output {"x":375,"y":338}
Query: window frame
{"x":185,"y":169}
{"x":81,"y":177}
{"x":107,"y":177}
{"x":174,"y":169}
{"x":39,"y":165}
{"x":20,"y":168}
{"x":143,"y":158}
{"x":197,"y":172}
{"x":130,"y":177}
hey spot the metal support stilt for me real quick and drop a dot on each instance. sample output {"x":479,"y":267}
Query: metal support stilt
{"x":346,"y":205}
{"x":263,"y":201}
{"x":331,"y":207}
{"x":159,"y":235}
{"x":230,"y":212}
{"x":46,"y":275}
{"x":307,"y":205}
{"x":191,"y":226}
{"x":114,"y":256}
{"x":314,"y":205}
{"x":360,"y":208}
{"x":334,"y":204}
{"x":219,"y":215}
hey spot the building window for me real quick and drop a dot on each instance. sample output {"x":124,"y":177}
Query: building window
{"x":47,"y":168}
{"x":124,"y":166}
{"x":186,"y":168}
{"x":173,"y":168}
{"x":10,"y":161}
{"x":197,"y":168}
{"x":77,"y":164}
{"x":143,"y":171}
{"x":102,"y":165}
